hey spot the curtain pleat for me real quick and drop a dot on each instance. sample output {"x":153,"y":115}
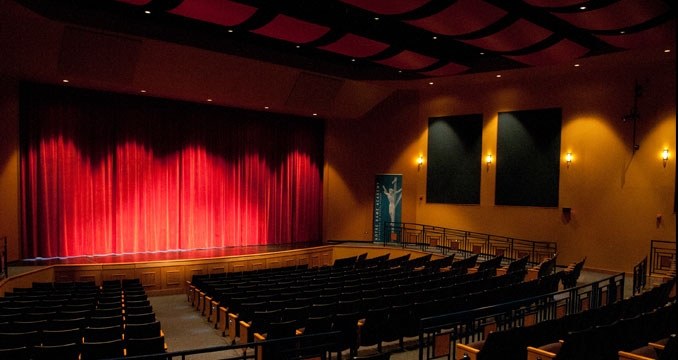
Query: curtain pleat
{"x":105,"y":173}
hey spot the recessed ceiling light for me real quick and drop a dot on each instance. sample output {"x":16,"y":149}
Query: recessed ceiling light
{"x":230,"y":30}
{"x":376,"y":18}
{"x":353,"y":60}
{"x":435,"y":38}
{"x":576,"y":65}
{"x":209,"y":100}
{"x":315,"y":114}
{"x":482,"y":53}
{"x":622,"y":32}
{"x":430,"y":82}
{"x":142,"y":90}
{"x":400,"y":71}
{"x":64,"y":80}
{"x":266,"y":107}
{"x":498,"y":75}
{"x":582,"y":8}
{"x":147,"y":12}
{"x":298,"y":46}
{"x":667,"y":50}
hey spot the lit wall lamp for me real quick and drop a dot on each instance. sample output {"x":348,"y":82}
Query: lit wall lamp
{"x":488,"y":160}
{"x":568,"y":158}
{"x":420,"y":162}
{"x":665,"y":156}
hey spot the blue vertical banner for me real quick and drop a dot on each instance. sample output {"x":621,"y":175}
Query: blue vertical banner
{"x":388,"y":194}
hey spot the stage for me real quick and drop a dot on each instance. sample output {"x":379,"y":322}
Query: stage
{"x":171,"y":255}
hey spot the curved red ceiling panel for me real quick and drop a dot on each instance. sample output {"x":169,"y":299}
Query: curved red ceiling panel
{"x":449,"y":69}
{"x":135,"y":2}
{"x":560,"y":52}
{"x":462,"y":17}
{"x":355,"y":46}
{"x":554,"y":3}
{"x":290,"y":29}
{"x":619,"y":15}
{"x":408,"y":60}
{"x":662,"y":35}
{"x":387,"y":7}
{"x":220,"y":12}
{"x":518,"y":35}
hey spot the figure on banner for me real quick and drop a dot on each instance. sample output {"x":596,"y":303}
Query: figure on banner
{"x":394,"y":195}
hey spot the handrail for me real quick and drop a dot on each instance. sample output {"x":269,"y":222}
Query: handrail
{"x":640,"y":276}
{"x":323,"y":347}
{"x":543,"y":307}
{"x":662,"y":257}
{"x":3,"y":259}
{"x":466,"y":242}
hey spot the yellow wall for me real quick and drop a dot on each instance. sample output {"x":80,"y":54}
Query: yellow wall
{"x":615,"y":197}
{"x":9,"y":165}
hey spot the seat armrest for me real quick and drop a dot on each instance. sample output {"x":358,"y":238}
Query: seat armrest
{"x":623,"y":355}
{"x":466,"y":352}
{"x":534,"y":354}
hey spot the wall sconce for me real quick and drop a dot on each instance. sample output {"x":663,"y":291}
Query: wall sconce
{"x":568,"y":158}
{"x":488,"y":160}
{"x":420,"y":161}
{"x":665,"y":156}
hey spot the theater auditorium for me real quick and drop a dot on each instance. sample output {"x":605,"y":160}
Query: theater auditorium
{"x":339,"y":179}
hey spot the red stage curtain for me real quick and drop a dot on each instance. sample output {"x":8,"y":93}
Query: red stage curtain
{"x":104,"y":173}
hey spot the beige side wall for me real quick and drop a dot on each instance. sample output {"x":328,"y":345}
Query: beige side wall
{"x":9,"y":165}
{"x":616,"y":197}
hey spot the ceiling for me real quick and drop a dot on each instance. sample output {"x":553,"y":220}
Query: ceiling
{"x":385,"y":39}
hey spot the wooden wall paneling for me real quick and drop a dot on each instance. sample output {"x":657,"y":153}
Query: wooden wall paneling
{"x":289,"y":261}
{"x":238,"y":266}
{"x":257,"y":263}
{"x":217,"y":268}
{"x":274,"y":262}
{"x":118,"y":272}
{"x":326,"y":258}
{"x":303,"y":259}
{"x":150,"y":277}
{"x":172,"y":277}
{"x":315,"y":260}
{"x":194,"y":269}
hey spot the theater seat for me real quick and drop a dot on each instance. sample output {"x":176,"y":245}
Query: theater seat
{"x":154,"y":345}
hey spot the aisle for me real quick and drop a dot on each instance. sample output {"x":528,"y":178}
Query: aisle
{"x":184,"y":328}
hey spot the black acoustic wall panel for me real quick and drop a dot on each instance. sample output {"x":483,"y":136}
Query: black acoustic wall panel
{"x":528,"y":158}
{"x":454,"y":152}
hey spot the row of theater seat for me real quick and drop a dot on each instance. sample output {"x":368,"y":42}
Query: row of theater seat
{"x":384,"y":303}
{"x":78,"y":321}
{"x":592,"y":334}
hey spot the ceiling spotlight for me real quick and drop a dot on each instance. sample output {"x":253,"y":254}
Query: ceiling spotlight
{"x":230,"y":30}
{"x":209,"y":100}
{"x":430,"y":82}
{"x":667,"y":50}
{"x":576,"y":65}
{"x":298,"y":46}
{"x":582,"y":8}
{"x":142,"y":90}
{"x":435,"y":37}
{"x":482,"y":53}
{"x":400,"y":71}
{"x":376,"y":18}
{"x":147,"y":12}
{"x":498,"y":75}
{"x":622,"y":32}
{"x":315,"y":114}
{"x":353,"y":60}
{"x":64,"y":80}
{"x":266,"y":107}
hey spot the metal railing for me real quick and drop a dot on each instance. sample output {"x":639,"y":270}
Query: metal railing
{"x":465,"y":242}
{"x":3,"y":258}
{"x":319,"y":346}
{"x":662,"y":257}
{"x":640,"y":276}
{"x":438,"y":333}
